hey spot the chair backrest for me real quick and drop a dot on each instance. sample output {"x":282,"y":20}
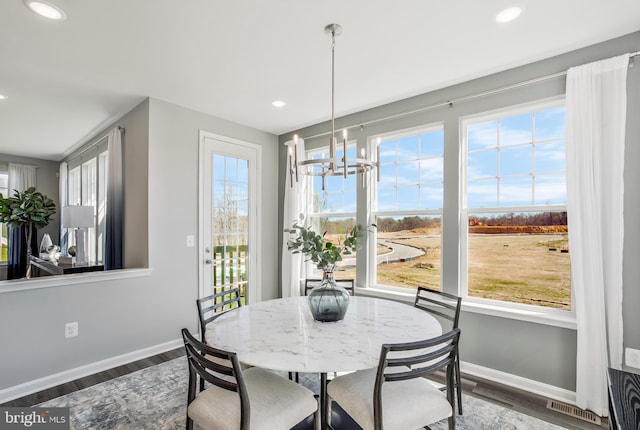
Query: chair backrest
{"x":439,"y":303}
{"x":211,"y":307}
{"x":347,"y":284}
{"x":226,"y":376}
{"x":419,"y":359}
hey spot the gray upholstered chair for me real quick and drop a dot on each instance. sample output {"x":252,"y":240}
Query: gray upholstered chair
{"x":253,"y":399}
{"x":395,"y":395}
{"x":446,"y":308}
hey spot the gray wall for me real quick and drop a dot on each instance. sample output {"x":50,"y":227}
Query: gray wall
{"x":539,"y":352}
{"x":121,"y":316}
{"x":173,"y":199}
{"x":47,"y":184}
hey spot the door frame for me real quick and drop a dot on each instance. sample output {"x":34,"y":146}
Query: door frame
{"x":254,"y":292}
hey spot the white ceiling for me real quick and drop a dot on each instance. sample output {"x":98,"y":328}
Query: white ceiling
{"x":66,"y":80}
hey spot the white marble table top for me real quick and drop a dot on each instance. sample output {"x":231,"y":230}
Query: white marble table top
{"x":281,"y":334}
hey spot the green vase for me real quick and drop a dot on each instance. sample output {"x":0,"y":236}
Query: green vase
{"x":328,"y":301}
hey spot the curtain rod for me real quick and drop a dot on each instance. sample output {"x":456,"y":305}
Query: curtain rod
{"x":122,"y":129}
{"x":450,"y":103}
{"x":20,"y":164}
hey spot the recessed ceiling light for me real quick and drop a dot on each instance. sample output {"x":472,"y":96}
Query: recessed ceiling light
{"x":3,"y":97}
{"x":508,"y":14}
{"x":278,"y":103}
{"x":46,"y":9}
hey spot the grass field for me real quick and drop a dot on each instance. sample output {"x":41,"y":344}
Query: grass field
{"x":520,"y":268}
{"x":528,"y":268}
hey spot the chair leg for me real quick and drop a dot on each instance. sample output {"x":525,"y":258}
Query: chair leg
{"x":452,"y":422}
{"x":458,"y":386}
{"x":317,"y":417}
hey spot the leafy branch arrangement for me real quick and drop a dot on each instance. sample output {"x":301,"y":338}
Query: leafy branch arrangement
{"x":26,"y":209}
{"x":321,"y":252}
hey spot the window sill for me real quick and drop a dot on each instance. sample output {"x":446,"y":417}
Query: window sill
{"x":556,"y":319}
{"x":71,"y":279}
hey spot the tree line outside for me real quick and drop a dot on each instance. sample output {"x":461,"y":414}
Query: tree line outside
{"x":395,"y":224}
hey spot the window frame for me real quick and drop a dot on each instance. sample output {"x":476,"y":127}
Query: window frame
{"x":494,"y":306}
{"x":309,"y":269}
{"x":95,"y":157}
{"x":372,"y":212}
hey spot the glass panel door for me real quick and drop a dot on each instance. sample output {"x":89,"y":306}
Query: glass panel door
{"x":228,"y":218}
{"x":230,"y":223}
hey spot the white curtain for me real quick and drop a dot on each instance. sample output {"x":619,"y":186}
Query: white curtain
{"x":113,"y":258}
{"x":21,"y":177}
{"x":62,"y":192}
{"x":596,"y":113}
{"x":295,"y":200}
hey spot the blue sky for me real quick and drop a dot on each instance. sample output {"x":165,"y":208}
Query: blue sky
{"x":529,"y":174}
{"x":412,"y":166}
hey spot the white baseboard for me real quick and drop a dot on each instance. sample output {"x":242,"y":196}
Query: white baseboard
{"x":529,"y":385}
{"x":49,"y":381}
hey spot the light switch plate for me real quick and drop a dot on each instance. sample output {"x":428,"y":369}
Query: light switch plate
{"x":632,"y":357}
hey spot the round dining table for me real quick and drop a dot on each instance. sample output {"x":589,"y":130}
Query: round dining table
{"x":281,"y":334}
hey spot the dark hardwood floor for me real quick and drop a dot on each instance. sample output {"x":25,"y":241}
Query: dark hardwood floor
{"x":520,"y":401}
{"x":88,"y":381}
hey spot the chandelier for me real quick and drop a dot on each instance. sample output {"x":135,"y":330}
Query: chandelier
{"x":334,"y":165}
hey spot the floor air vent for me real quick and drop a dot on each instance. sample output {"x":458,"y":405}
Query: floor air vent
{"x":573,"y":411}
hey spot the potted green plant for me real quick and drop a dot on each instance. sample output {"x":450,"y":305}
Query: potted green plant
{"x":328,"y":301}
{"x":27,"y":209}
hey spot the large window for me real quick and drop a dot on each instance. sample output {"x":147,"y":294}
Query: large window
{"x":4,"y":240}
{"x":513,"y":236}
{"x":87,"y":179}
{"x":514,"y":205}
{"x":332,"y":209}
{"x":408,"y":208}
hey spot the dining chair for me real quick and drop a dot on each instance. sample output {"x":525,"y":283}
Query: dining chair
{"x":347,"y":284}
{"x":396,"y":395}
{"x":211,"y":307}
{"x":239,"y":399}
{"x":446,"y":308}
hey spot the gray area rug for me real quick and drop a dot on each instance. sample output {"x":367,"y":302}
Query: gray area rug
{"x":155,"y":398}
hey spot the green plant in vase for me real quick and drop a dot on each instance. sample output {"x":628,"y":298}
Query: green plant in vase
{"x":328,"y":301}
{"x":27,"y":209}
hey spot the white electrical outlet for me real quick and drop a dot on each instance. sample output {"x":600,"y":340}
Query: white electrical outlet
{"x":71,"y":329}
{"x":632,"y":357}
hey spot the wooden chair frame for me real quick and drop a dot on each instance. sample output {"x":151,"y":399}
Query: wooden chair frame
{"x":447,"y":306}
{"x":348,"y":284}
{"x":209,"y":310}
{"x":226,"y":377}
{"x":441,"y":353}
